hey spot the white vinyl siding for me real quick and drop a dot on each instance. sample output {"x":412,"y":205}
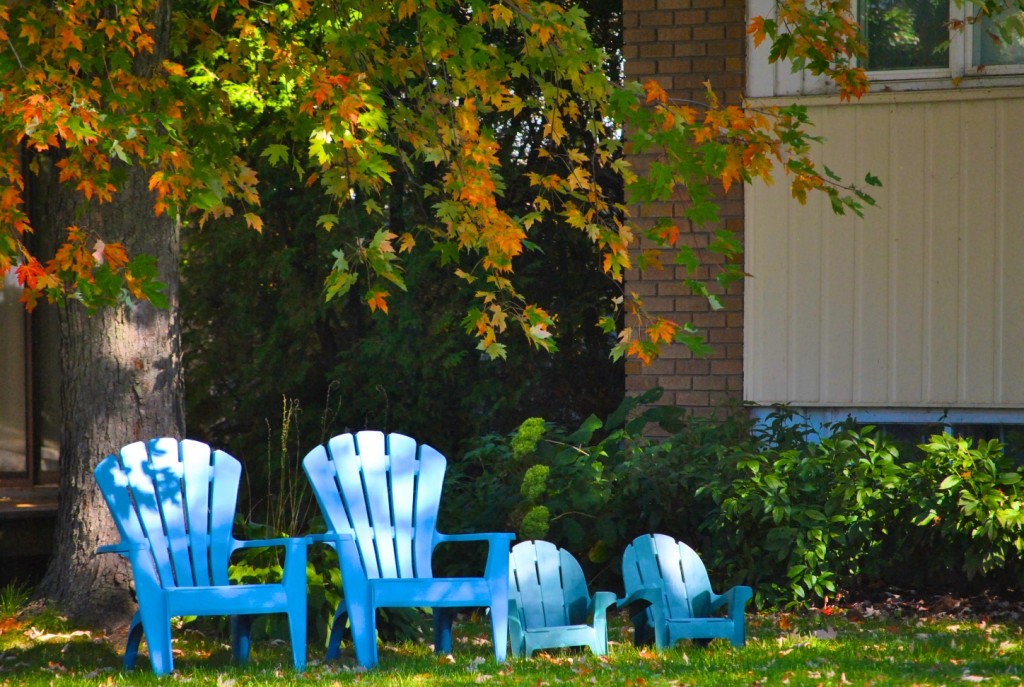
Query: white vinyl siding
{"x":920,"y":304}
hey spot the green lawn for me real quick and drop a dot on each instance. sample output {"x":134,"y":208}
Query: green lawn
{"x":859,"y":647}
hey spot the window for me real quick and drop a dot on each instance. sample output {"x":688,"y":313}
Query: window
{"x":13,"y":383}
{"x":29,"y":390}
{"x":910,"y":35}
{"x":905,"y":34}
{"x":910,"y":47}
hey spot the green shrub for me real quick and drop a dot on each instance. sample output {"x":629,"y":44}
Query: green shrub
{"x":798,"y":516}
{"x":978,"y":502}
{"x":801,"y":523}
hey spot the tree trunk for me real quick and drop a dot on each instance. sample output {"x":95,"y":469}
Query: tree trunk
{"x":121,"y":382}
{"x":121,"y":378}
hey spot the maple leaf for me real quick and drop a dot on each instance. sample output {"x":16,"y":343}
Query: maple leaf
{"x":115,"y":255}
{"x":655,"y":92}
{"x":253,"y":221}
{"x":757,"y":30}
{"x":30,"y":273}
{"x":174,"y":69}
{"x":377,"y":300}
{"x":668,"y":235}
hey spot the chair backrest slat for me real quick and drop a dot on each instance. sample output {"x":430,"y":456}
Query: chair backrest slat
{"x":377,"y":491}
{"x":224,"y":481}
{"x":574,"y":585}
{"x":165,"y":469}
{"x":429,"y":482}
{"x":402,"y":452}
{"x":196,"y":465}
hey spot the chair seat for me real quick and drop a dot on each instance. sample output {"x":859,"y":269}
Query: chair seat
{"x":432,"y":592}
{"x":233,"y":600}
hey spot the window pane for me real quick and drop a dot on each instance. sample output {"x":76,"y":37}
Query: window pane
{"x":12,"y":379}
{"x":46,"y":385}
{"x":905,"y":34}
{"x":990,"y":49}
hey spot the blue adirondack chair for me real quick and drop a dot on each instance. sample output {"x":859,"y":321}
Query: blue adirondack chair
{"x":174,"y":504}
{"x":669,"y":586}
{"x":380,"y":496}
{"x":549,"y":604}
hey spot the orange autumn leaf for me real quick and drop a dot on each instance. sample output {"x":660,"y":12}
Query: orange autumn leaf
{"x":115,"y":255}
{"x":655,"y":92}
{"x":377,"y":300}
{"x":756,"y":30}
{"x":662,"y":331}
{"x":30,"y":273}
{"x":668,"y":235}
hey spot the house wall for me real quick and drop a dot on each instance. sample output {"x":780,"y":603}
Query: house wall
{"x":681,"y":44}
{"x":917,"y":305}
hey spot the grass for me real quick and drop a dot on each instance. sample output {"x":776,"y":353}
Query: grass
{"x":790,"y":649}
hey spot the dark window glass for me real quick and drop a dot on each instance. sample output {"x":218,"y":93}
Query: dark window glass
{"x":13,"y":382}
{"x":905,"y":34}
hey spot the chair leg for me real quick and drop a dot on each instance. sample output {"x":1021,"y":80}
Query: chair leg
{"x":241,"y":628}
{"x":297,"y":632}
{"x":158,"y":639}
{"x":363,"y":621}
{"x":443,"y":631}
{"x":131,"y":649}
{"x":499,"y":627}
{"x":154,"y":617}
{"x":337,"y":632}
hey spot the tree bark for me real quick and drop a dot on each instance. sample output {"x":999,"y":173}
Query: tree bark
{"x":121,"y":378}
{"x":121,"y":382}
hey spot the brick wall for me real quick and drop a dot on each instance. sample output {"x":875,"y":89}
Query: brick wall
{"x":681,"y":44}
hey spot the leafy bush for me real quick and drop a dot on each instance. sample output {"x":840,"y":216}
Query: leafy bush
{"x":800,"y":523}
{"x":799,"y":517}
{"x":978,"y":502}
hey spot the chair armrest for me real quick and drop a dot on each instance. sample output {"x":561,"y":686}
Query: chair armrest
{"x":294,"y":568}
{"x":123,"y":548}
{"x":600,"y":603}
{"x":648,"y":621}
{"x":289,"y":542}
{"x":329,"y":537}
{"x":498,"y":544}
{"x":648,"y":595}
{"x":733,"y":601}
{"x":474,"y":536}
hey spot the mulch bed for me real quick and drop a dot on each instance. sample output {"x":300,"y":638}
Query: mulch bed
{"x":1008,"y":607}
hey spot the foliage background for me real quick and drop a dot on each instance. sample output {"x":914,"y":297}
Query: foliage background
{"x":257,"y":329}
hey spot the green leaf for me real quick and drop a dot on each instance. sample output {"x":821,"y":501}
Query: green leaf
{"x":275,"y":153}
{"x":950,"y":482}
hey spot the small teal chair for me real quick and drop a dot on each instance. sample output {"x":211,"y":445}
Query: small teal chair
{"x":380,"y":495}
{"x":549,"y":605}
{"x":668,"y":587}
{"x":174,"y":506}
